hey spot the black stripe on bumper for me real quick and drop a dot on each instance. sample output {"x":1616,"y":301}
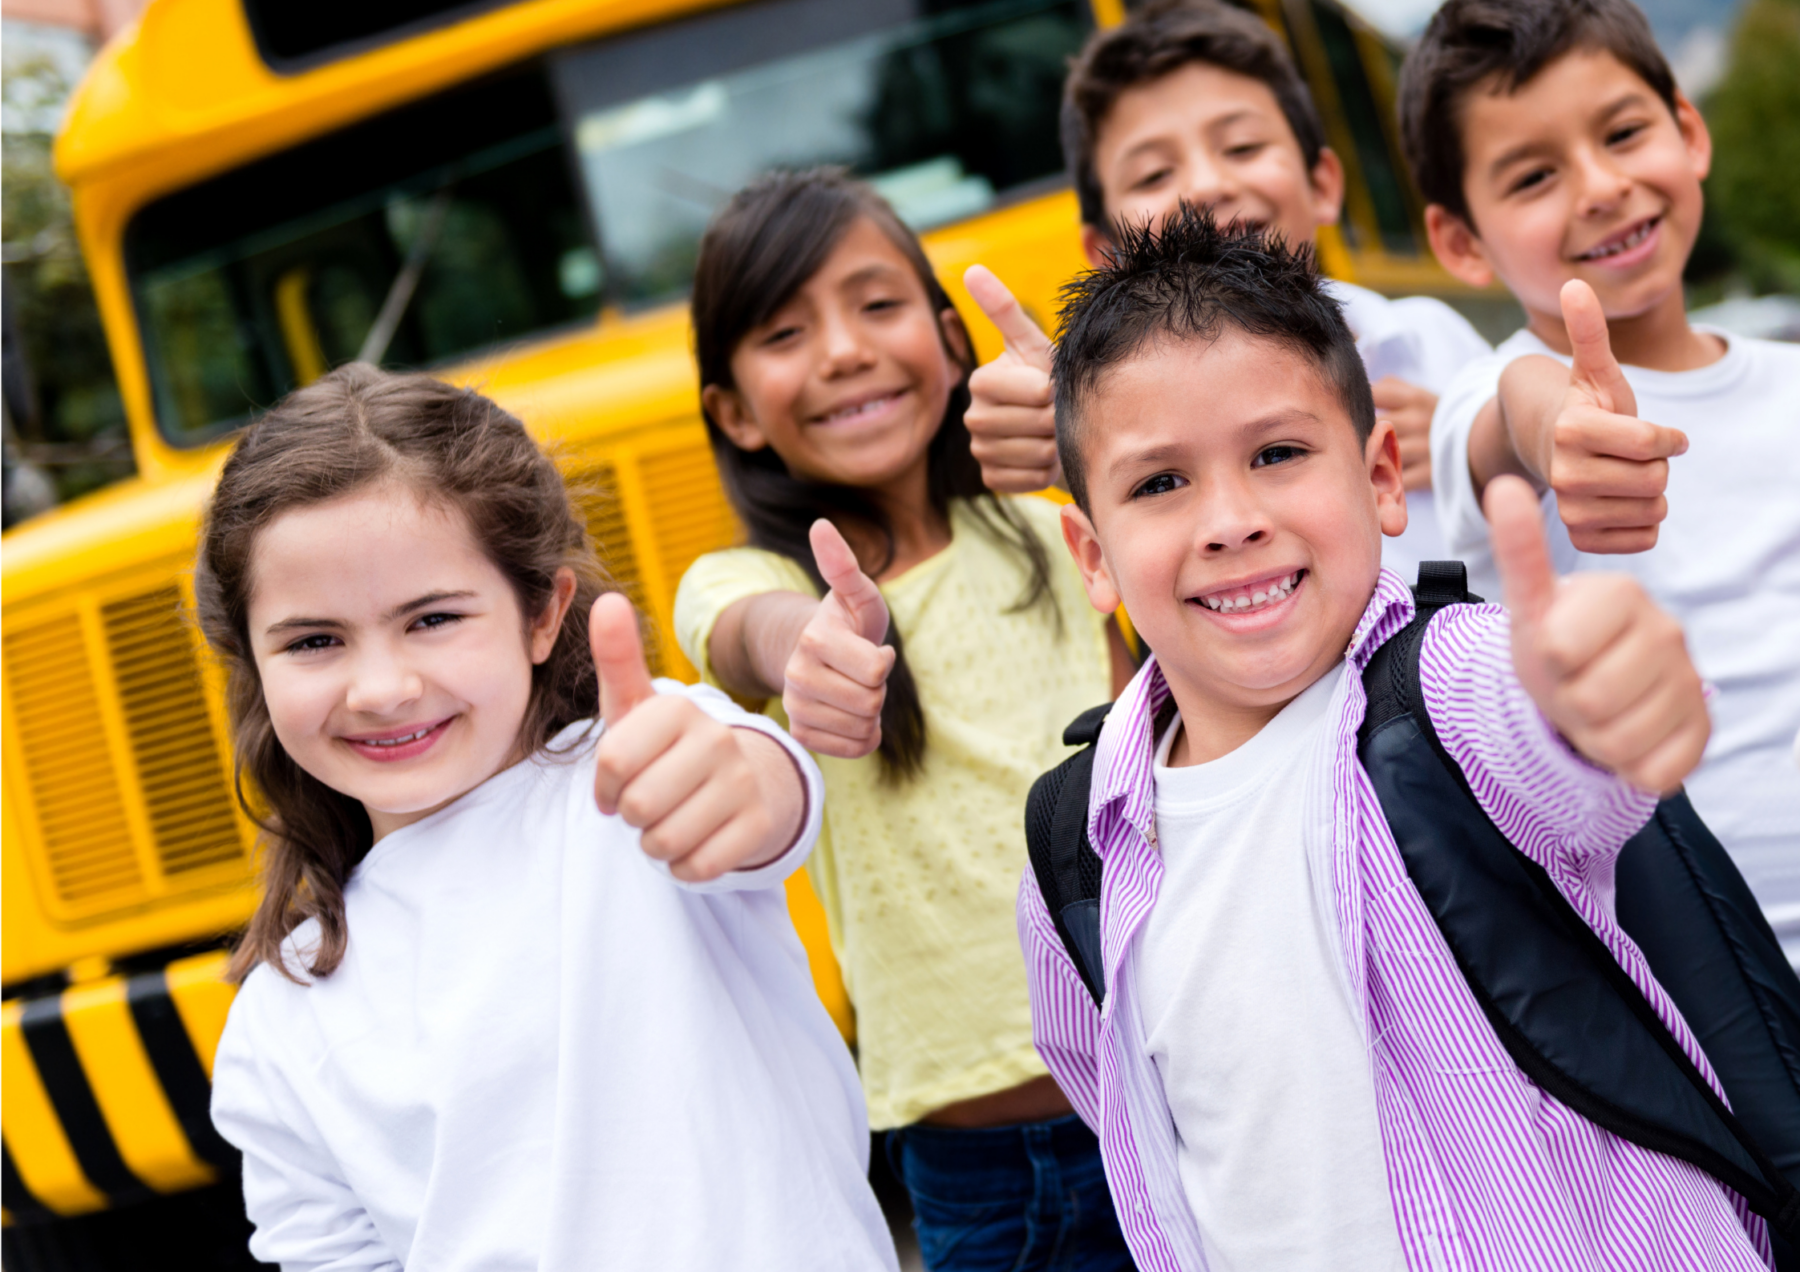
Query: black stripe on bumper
{"x":177,"y":1065}
{"x":73,"y":1099}
{"x":15,"y":1196}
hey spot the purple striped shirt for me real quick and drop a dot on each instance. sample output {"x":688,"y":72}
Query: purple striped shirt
{"x":1485,"y":1170}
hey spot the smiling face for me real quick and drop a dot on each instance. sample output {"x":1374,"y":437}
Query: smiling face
{"x":1218,"y":140}
{"x":849,"y":380}
{"x":394,"y":659}
{"x":1583,"y":172}
{"x":1235,"y":513}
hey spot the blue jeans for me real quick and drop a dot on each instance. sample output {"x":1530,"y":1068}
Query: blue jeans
{"x":1028,"y":1198}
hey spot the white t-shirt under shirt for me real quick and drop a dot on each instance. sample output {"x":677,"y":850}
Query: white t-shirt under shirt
{"x":543,"y":1052}
{"x":1424,"y":342}
{"x":1249,"y":1020}
{"x":1726,"y":564}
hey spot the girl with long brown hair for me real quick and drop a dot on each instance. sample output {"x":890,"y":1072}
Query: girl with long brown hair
{"x":521,"y":990}
{"x":928,"y":640}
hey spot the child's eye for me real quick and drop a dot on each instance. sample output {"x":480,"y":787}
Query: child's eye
{"x":1151,"y":178}
{"x":430,"y":621}
{"x":1537,"y":176}
{"x":884,"y":304}
{"x":1161,"y":484}
{"x":307,"y":644}
{"x":1275,"y":455}
{"x":1248,"y":150}
{"x":1619,"y":136}
{"x":780,"y":335}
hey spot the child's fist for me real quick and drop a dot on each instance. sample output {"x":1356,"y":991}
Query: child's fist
{"x":1609,"y":669}
{"x":836,"y":679}
{"x":697,"y":789}
{"x":1409,"y":408}
{"x":1608,"y":468}
{"x":1012,"y":412}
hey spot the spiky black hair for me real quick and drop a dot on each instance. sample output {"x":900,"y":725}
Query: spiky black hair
{"x":1189,"y":279}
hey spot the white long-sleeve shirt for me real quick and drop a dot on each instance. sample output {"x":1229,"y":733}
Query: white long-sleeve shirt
{"x":541,"y":1051}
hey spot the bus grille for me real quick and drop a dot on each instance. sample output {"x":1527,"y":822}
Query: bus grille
{"x":597,"y":489}
{"x":688,"y":507}
{"x":186,"y":792}
{"x":68,"y":765}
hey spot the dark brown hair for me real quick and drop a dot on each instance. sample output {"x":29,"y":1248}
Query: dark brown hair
{"x":1160,"y":38}
{"x":758,"y":251}
{"x":339,"y":435}
{"x":1501,"y":45}
{"x":1190,"y":279}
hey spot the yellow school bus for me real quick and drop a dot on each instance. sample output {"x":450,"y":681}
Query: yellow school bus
{"x":511,"y":194}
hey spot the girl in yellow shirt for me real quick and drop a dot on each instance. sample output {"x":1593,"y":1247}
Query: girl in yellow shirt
{"x":834,"y":372}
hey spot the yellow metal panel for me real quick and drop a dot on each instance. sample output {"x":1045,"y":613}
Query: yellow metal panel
{"x":809,"y":922}
{"x":202,"y":998}
{"x":40,"y":1150}
{"x":125,"y":1087}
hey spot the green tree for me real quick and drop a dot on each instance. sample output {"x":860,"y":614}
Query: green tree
{"x":1754,"y":116}
{"x":68,"y":409}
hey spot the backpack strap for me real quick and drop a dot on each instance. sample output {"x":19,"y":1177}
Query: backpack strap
{"x":1062,"y":858}
{"x":1569,"y":1016}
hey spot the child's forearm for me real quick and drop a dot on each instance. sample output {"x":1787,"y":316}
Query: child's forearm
{"x":753,"y":640}
{"x":783,"y":793}
{"x":1516,"y":431}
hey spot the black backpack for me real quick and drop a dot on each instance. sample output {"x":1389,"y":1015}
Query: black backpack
{"x":1567,"y":1013}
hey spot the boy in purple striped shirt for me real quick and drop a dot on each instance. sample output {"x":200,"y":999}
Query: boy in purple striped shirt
{"x":1289,"y":1071}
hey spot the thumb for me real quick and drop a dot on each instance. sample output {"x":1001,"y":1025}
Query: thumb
{"x":618,"y":656}
{"x":1521,"y":553}
{"x":1594,"y":365}
{"x":1025,"y":340}
{"x":854,"y":590}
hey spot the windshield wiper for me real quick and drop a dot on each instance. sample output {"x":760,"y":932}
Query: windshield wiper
{"x":406,"y":282}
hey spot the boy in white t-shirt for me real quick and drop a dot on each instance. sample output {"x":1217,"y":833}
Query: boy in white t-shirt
{"x":1558,"y":155}
{"x":1198,"y":101}
{"x":1290,"y":1071}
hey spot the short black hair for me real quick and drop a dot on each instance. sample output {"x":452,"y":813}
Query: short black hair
{"x":1469,"y":42}
{"x":1189,"y":279}
{"x":1156,"y":40}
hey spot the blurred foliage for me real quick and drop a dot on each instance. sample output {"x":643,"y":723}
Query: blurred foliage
{"x":67,"y":395}
{"x":1753,"y":195}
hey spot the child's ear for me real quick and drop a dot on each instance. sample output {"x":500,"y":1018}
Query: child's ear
{"x":733,"y":416}
{"x":1084,"y":546}
{"x":548,"y":624}
{"x":1096,"y":245}
{"x":1457,"y":247}
{"x":1327,"y":181}
{"x":1694,"y":134}
{"x":1382,"y":455}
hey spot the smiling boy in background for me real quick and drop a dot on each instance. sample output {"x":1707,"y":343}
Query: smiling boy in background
{"x":1558,"y":156}
{"x":1195,"y":100}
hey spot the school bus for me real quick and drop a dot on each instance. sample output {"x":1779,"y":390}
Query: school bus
{"x":510,"y":194}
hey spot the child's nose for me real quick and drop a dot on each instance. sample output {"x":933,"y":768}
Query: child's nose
{"x":382,"y":683}
{"x":844,"y":347}
{"x":1235,"y":520}
{"x":1599,"y":181}
{"x":1209,"y":184}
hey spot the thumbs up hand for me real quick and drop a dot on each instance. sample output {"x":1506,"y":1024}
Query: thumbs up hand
{"x":836,"y":679}
{"x":1607,"y":667}
{"x":1012,"y":414}
{"x":1609,"y":469}
{"x":707,"y":798}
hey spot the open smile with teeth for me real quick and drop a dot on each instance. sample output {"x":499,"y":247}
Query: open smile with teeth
{"x":868,"y":406}
{"x":401,"y":740}
{"x":1248,"y":597}
{"x":1613,"y":247}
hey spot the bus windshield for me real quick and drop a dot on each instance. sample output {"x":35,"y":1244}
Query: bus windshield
{"x":527,"y":201}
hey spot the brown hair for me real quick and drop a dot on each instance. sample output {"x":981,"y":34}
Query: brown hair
{"x":1470,"y":42}
{"x":355,"y":427}
{"x":758,"y":251}
{"x":1162,"y":37}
